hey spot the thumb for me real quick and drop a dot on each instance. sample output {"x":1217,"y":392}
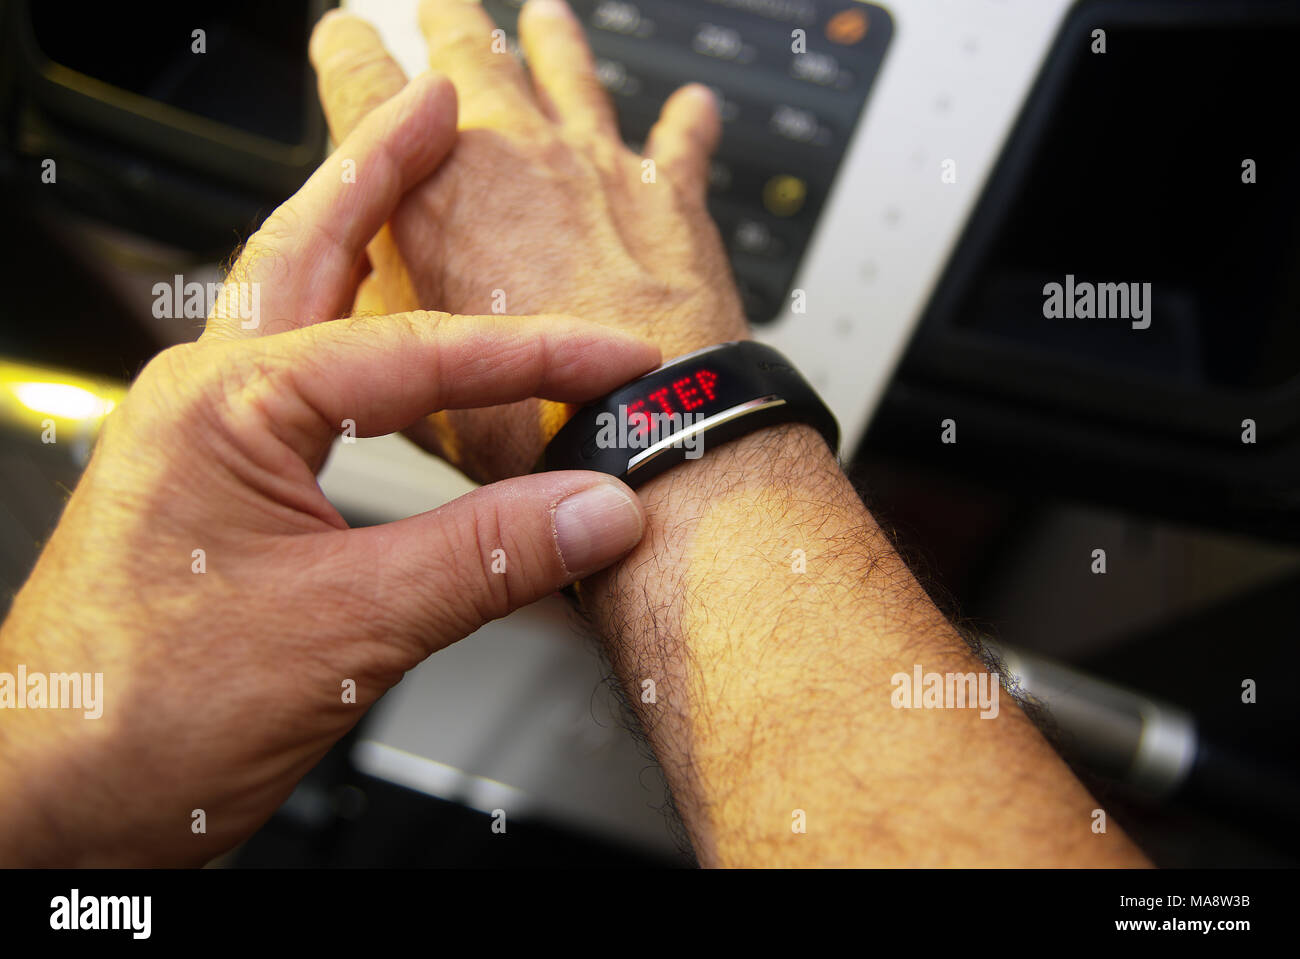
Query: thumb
{"x":441,"y":575}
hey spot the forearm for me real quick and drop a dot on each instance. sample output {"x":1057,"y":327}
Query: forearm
{"x":772,"y":686}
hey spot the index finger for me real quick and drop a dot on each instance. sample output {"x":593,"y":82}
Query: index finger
{"x":306,"y":252}
{"x":384,"y":373}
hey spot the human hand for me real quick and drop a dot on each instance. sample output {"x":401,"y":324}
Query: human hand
{"x":539,"y":207}
{"x":240,"y":627}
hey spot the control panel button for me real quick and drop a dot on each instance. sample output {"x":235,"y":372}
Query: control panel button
{"x":791,"y":78}
{"x":848,"y":27}
{"x":784,"y":195}
{"x":622,"y":17}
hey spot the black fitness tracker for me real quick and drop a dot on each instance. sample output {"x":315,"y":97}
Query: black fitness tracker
{"x":685,"y":407}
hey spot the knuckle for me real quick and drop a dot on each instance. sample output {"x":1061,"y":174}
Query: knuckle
{"x":606,"y":153}
{"x":591,"y":92}
{"x":162,"y":382}
{"x":176,"y":363}
{"x":410,"y":328}
{"x":405,"y":326}
{"x":356,"y":84}
{"x":218,"y":392}
{"x":495,"y":594}
{"x":248,"y":382}
{"x":283,"y":224}
{"x":457,"y":591}
{"x":363,"y":69}
{"x":233,"y":396}
{"x":475,"y":55}
{"x":461,"y":41}
{"x":262,"y":255}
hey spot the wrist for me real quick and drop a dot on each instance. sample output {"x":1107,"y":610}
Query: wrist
{"x":787,"y":455}
{"x":52,"y":758}
{"x":692,"y":620}
{"x":788,"y":466}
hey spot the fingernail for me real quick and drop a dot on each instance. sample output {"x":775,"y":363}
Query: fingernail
{"x":703,"y":93}
{"x":550,"y":8}
{"x":596,"y":526}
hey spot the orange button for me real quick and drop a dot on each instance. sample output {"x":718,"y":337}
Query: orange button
{"x":847,"y":27}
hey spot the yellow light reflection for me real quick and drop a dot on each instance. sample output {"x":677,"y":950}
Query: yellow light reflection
{"x":62,"y":400}
{"x":31,"y":394}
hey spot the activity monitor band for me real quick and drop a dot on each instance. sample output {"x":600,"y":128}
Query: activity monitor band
{"x":685,"y":407}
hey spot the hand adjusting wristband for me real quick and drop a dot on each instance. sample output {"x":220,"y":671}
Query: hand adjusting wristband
{"x":684,"y":407}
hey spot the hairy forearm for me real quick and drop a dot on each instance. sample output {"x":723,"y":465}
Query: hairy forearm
{"x":769,"y":703}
